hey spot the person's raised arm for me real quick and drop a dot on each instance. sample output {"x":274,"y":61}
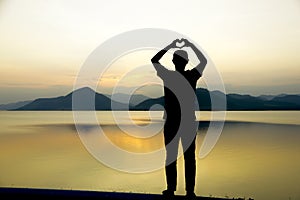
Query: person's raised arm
{"x":203,"y":61}
{"x":161,"y":53}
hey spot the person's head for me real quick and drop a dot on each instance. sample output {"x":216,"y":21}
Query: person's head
{"x":180,"y":59}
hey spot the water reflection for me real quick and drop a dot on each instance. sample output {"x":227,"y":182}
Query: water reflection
{"x":258,"y":160}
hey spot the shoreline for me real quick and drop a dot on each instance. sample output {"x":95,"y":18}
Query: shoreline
{"x":38,"y":193}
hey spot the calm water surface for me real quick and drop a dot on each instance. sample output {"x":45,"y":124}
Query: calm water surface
{"x":256,"y":156}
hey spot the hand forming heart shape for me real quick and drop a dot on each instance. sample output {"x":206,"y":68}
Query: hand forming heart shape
{"x":180,"y":44}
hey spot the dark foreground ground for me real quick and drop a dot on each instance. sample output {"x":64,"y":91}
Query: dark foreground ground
{"x":30,"y":193}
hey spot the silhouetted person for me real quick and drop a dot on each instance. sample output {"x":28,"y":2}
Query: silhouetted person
{"x":180,"y":122}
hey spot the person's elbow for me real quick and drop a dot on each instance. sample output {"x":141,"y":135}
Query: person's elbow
{"x":204,"y":62}
{"x":154,"y":60}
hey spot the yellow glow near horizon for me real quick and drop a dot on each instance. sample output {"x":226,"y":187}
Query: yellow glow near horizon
{"x":254,"y":44}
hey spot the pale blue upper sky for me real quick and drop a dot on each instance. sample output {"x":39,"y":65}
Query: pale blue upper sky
{"x":255,"y":44}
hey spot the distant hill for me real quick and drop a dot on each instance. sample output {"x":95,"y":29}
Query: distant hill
{"x":11,"y":106}
{"x":234,"y":101}
{"x":147,"y":104}
{"x":134,"y":99}
{"x":65,"y":102}
{"x":293,"y":99}
{"x":248,"y":102}
{"x":141,"y":102}
{"x":266,"y":97}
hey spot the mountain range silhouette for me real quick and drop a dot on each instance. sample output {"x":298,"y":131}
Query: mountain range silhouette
{"x":141,"y":102}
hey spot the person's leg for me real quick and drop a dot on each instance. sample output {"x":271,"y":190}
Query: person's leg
{"x":171,"y":144}
{"x":190,"y":167}
{"x":171,"y":165}
{"x":189,"y":146}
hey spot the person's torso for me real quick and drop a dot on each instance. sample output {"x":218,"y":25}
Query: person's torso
{"x":180,"y":97}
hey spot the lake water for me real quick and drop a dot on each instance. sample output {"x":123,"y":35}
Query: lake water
{"x":257,"y":155}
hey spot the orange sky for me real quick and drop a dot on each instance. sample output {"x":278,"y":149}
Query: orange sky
{"x":254,"y":44}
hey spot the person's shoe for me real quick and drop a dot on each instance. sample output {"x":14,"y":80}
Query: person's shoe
{"x":168,"y":193}
{"x":191,"y":196}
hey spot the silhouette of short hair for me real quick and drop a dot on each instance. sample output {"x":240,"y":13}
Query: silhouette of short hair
{"x":182,"y":54}
{"x":180,"y":59}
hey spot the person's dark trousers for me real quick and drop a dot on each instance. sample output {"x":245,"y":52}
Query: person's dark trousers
{"x":171,"y":143}
{"x":190,"y":167}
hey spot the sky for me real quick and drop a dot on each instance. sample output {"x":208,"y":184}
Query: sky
{"x":254,"y":44}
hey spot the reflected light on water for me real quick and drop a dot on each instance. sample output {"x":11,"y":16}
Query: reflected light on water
{"x":251,"y":159}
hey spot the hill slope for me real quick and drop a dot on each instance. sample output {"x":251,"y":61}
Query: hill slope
{"x":140,"y":102}
{"x":234,"y":102}
{"x":11,"y":106}
{"x":65,"y":102}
